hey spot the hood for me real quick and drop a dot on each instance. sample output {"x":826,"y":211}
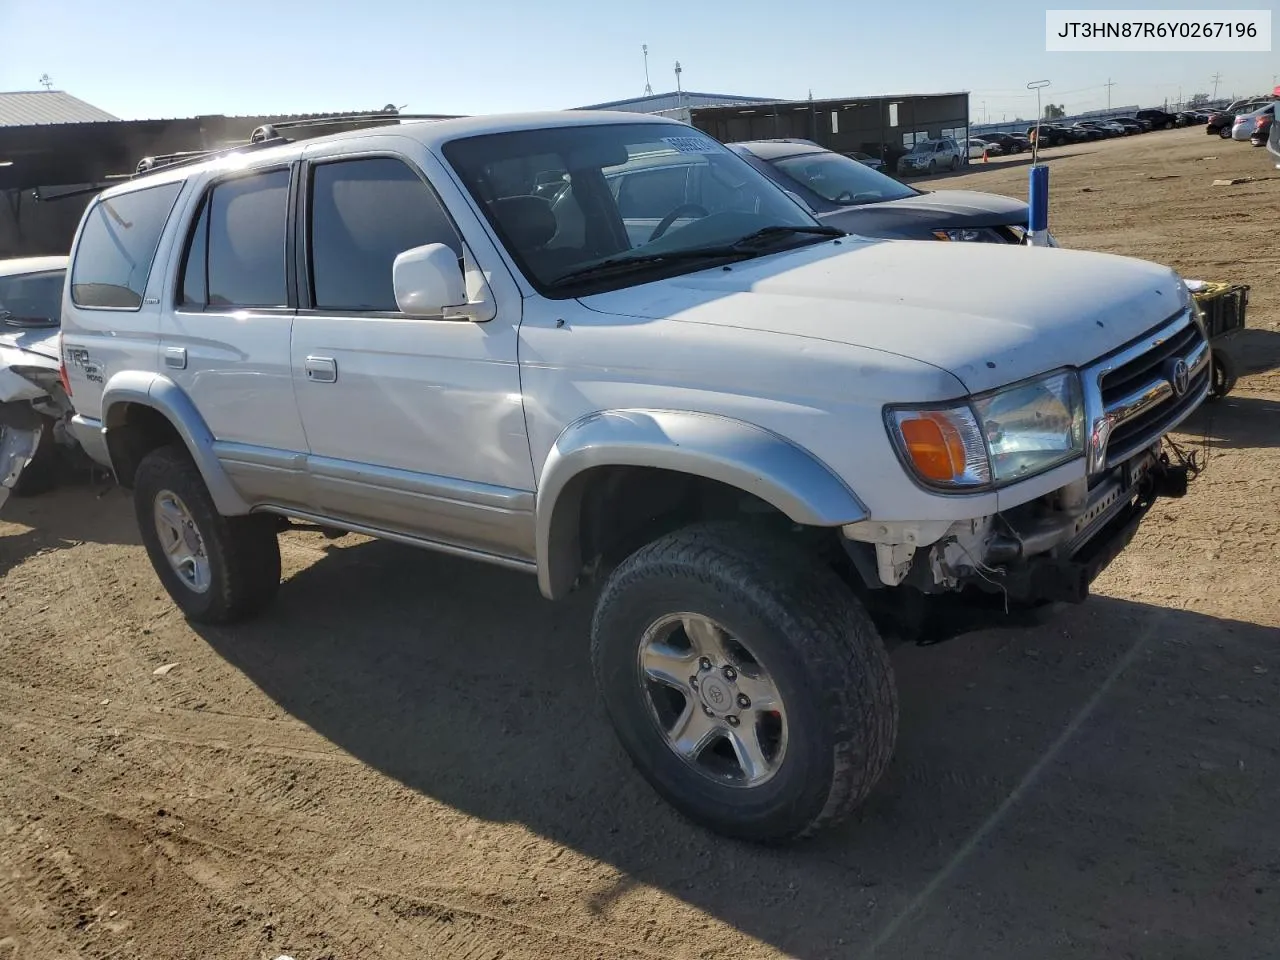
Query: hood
{"x":42,"y":341}
{"x":915,"y":217}
{"x":990,"y":314}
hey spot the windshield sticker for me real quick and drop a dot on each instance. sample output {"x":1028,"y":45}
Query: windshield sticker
{"x":693,"y":144}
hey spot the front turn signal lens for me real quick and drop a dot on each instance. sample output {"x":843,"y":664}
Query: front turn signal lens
{"x":943,"y":447}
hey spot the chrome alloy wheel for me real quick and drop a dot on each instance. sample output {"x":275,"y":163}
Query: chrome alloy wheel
{"x":713,"y":701}
{"x":182,"y":543}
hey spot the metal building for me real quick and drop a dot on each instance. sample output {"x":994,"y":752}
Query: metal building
{"x":676,"y":104}
{"x":884,"y":127}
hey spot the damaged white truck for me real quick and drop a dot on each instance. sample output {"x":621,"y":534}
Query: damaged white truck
{"x":602,"y":349}
{"x":34,"y":408}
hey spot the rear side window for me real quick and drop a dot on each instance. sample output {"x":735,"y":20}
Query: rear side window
{"x":236,"y":253}
{"x":117,"y":246}
{"x":363,"y":214}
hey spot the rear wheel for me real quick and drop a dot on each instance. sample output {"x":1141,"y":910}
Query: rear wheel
{"x":217,"y":569}
{"x":1225,"y":133}
{"x":745,"y":681}
{"x":955,"y":163}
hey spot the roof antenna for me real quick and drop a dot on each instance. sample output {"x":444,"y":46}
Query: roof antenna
{"x":45,"y":81}
{"x":648,"y":90}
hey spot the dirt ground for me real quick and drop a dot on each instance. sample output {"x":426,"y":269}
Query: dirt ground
{"x":406,"y":759}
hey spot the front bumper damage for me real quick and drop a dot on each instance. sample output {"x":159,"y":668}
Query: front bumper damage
{"x":1048,"y":550}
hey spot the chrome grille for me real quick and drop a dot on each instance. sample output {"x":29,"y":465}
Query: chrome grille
{"x":1141,"y":392}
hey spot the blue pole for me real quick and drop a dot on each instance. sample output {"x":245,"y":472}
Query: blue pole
{"x":1038,"y":221}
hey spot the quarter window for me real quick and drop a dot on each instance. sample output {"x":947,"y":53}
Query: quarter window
{"x":363,"y":214}
{"x":117,"y":246}
{"x":236,"y":254}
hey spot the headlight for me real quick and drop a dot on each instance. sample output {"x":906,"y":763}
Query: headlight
{"x":970,"y":234}
{"x":994,"y":439}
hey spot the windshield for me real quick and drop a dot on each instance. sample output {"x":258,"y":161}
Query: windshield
{"x":924,"y":146}
{"x":567,"y":198}
{"x":842,"y":180}
{"x":31,"y":299}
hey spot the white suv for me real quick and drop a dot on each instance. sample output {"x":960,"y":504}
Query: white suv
{"x":748,"y":429}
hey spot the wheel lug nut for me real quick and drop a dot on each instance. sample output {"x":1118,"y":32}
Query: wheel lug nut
{"x":730,"y":674}
{"x":704,"y":664}
{"x":743,"y":701}
{"x":707,"y":711}
{"x":693,"y":682}
{"x":731,"y":720}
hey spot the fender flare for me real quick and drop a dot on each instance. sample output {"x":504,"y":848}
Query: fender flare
{"x":734,"y":452}
{"x":168,"y":399}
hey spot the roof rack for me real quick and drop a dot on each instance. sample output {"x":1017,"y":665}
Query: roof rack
{"x":269,"y":135}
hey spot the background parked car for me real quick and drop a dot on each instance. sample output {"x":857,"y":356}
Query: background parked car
{"x":1008,"y":142}
{"x":930,"y":156}
{"x":1050,"y":134}
{"x":1244,"y":124}
{"x":1159,"y":119}
{"x":1089,"y":131}
{"x":33,"y":404}
{"x":1131,"y":124}
{"x":1262,"y":129}
{"x":852,"y":197}
{"x":1221,"y":121}
{"x":875,"y":163}
{"x":978,"y":147}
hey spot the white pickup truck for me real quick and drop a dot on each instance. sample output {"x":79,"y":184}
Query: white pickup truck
{"x":525,"y":340}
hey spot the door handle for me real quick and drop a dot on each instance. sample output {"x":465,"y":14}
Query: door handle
{"x":321,"y":369}
{"x":175,"y":358}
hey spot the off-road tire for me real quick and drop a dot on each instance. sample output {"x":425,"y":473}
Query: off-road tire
{"x":820,"y":648}
{"x":243,"y":552}
{"x":41,"y":474}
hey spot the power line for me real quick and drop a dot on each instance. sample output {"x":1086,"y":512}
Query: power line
{"x":1216,"y":78}
{"x":1109,"y":84}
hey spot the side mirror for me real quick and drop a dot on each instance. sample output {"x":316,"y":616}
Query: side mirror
{"x":428,"y":281}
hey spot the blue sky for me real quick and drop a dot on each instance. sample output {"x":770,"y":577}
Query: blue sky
{"x":180,"y":58}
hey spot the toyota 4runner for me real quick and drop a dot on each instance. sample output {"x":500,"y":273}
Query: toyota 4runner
{"x":748,"y":431}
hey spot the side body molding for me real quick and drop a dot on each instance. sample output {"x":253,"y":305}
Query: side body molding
{"x":167,"y":398}
{"x":731,"y":451}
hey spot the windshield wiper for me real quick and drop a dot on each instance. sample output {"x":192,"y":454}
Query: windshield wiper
{"x":741,"y":248}
{"x":618,"y":264}
{"x":769,"y":233}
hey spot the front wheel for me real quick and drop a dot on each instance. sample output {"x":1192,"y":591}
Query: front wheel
{"x":217,"y":569}
{"x":955,"y":164}
{"x":1225,"y":133}
{"x":745,"y":682}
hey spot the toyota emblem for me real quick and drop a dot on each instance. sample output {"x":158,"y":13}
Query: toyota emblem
{"x":1180,"y":377}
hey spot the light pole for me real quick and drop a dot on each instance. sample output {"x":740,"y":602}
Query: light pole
{"x":679,"y":91}
{"x":1037,"y":86}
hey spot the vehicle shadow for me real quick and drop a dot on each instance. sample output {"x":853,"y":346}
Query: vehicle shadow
{"x":78,"y":511}
{"x":1254,"y":349}
{"x":1236,"y":422}
{"x":460,"y":682}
